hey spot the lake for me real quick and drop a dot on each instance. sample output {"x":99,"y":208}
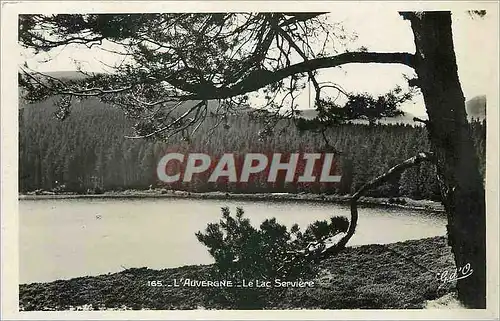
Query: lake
{"x":66,"y":238}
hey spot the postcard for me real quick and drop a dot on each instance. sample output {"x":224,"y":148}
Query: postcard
{"x":249,"y":160}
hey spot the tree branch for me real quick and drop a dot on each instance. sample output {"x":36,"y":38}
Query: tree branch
{"x":401,"y":167}
{"x":419,"y":120}
{"x":261,"y":78}
{"x":172,"y":124}
{"x":297,"y":17}
{"x":303,"y":55}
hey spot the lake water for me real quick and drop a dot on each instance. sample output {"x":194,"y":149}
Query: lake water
{"x":62,"y":239}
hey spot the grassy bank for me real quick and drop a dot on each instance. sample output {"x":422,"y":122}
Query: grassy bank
{"x":401,"y":202}
{"x":395,"y":276}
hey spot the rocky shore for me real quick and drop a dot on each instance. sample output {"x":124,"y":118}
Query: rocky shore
{"x":401,"y":202}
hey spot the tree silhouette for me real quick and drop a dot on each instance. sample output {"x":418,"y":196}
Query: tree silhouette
{"x":174,"y":58}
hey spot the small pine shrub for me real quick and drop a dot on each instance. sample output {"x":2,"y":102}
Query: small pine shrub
{"x":272,"y":251}
{"x":241,"y":250}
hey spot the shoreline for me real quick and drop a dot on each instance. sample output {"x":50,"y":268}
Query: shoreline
{"x":397,"y":202}
{"x":371,"y":276}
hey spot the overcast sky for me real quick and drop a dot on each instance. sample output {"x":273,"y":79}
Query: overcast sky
{"x":378,"y":29}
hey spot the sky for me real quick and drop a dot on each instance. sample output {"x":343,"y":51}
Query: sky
{"x":378,"y":29}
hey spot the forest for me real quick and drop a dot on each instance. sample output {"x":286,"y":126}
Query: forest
{"x":89,"y":153}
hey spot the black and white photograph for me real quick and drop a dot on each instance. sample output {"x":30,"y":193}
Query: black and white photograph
{"x":264,"y":156}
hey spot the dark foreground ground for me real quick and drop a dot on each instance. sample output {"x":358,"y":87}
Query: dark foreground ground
{"x":396,"y":276}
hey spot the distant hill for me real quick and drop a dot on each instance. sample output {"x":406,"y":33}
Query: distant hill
{"x":476,"y":107}
{"x":406,"y":118}
{"x":66,"y":74}
{"x":73,"y":75}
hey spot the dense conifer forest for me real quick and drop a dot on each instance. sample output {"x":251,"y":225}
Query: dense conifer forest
{"x":88,"y":153}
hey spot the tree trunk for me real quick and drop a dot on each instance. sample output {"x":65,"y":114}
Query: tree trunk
{"x":461,"y":183}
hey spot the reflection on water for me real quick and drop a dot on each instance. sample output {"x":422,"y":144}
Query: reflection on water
{"x":61,"y":239}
